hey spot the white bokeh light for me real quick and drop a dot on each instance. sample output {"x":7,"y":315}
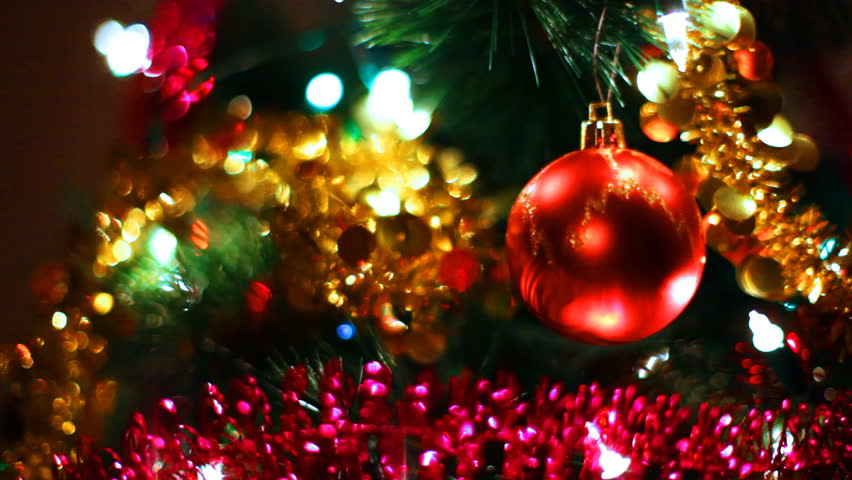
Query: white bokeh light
{"x":324,"y":91}
{"x":392,"y":83}
{"x":414,"y":124}
{"x":105,"y":34}
{"x":768,"y":337}
{"x":682,"y":288}
{"x":125,"y":49}
{"x":778,"y":134}
{"x":612,"y":464}
{"x":210,"y":472}
{"x":389,"y":105}
{"x":163,"y":246}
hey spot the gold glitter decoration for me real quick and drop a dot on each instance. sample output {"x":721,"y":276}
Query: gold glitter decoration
{"x":361,"y":226}
{"x":741,"y":172}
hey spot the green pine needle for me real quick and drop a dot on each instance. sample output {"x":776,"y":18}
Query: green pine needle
{"x":503,"y":106}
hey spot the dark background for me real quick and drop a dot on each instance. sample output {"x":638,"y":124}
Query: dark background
{"x":59,"y":114}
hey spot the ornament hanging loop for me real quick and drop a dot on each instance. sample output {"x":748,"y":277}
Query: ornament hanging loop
{"x":601,"y":131}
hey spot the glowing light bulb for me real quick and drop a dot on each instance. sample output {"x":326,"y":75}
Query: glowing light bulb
{"x":767,"y":337}
{"x":163,"y":245}
{"x":125,"y":49}
{"x":324,"y":91}
{"x":674,"y":27}
{"x":210,"y":472}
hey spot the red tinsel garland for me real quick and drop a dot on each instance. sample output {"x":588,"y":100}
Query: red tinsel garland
{"x":183,"y":33}
{"x":469,"y":429}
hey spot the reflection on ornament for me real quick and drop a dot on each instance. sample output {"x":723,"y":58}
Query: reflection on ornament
{"x":761,"y":277}
{"x":604,"y":244}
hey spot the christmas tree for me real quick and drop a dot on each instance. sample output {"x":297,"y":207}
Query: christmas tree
{"x":323,"y":250}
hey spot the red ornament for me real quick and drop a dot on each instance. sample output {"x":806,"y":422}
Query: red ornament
{"x":605,"y":245}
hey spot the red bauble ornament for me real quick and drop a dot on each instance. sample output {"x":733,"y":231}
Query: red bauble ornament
{"x":605,"y":244}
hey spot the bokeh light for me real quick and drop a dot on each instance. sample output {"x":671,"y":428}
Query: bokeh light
{"x":611,"y":463}
{"x":240,"y":107}
{"x":125,"y":49}
{"x":102,"y":303}
{"x":768,"y":337}
{"x":414,"y":124}
{"x":324,"y":91}
{"x":385,"y":203}
{"x":59,"y":320}
{"x":163,"y":246}
{"x":345,"y":331}
{"x":210,"y":472}
{"x":778,"y":134}
{"x":390,"y":97}
{"x":392,"y":83}
{"x":389,"y":105}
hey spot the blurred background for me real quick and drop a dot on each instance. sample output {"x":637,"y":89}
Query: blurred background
{"x":61,"y":114}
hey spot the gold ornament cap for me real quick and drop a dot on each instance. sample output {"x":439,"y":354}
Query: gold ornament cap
{"x":601,"y":131}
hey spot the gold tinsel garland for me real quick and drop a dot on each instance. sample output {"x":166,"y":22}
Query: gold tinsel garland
{"x":723,"y":101}
{"x":382,"y":229}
